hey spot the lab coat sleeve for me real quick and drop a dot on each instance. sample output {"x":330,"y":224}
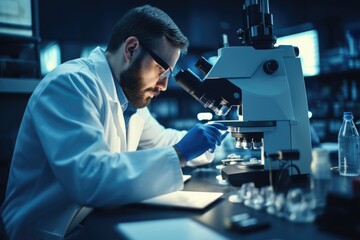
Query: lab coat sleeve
{"x":68,"y":117}
{"x":154,"y":134}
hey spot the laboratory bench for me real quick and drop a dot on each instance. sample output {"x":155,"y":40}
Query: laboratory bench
{"x":101,"y":223}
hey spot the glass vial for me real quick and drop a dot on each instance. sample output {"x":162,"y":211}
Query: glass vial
{"x":320,"y":176}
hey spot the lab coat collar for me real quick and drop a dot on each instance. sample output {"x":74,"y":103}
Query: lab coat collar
{"x":105,"y":77}
{"x":136,"y":124}
{"x":103,"y":70}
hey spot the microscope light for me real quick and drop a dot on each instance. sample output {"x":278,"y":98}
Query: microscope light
{"x":310,"y":114}
{"x":204,"y":116}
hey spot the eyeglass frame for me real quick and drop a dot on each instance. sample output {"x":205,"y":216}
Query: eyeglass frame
{"x":168,"y":71}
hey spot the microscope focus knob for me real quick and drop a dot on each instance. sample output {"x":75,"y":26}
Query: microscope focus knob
{"x":270,"y":66}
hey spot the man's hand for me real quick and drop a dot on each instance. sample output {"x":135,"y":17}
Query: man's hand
{"x":200,"y":139}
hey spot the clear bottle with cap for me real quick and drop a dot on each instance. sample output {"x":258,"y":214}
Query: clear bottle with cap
{"x":348,"y":141}
{"x":320,"y":176}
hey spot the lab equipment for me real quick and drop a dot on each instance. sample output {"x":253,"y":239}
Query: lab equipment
{"x":245,"y":223}
{"x":265,"y":85}
{"x":320,"y":176}
{"x":340,"y":215}
{"x":348,"y":140}
{"x":200,"y":139}
{"x":299,"y":206}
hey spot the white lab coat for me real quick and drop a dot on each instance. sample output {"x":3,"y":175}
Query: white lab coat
{"x":73,"y":153}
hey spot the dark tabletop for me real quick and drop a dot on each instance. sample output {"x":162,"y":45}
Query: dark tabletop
{"x":101,"y":223}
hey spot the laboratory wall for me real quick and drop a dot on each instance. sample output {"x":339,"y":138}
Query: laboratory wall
{"x":332,"y":89}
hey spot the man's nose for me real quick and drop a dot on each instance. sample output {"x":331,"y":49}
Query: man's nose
{"x":162,"y":84}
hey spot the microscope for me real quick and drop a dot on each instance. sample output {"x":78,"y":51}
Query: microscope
{"x":265,"y":86}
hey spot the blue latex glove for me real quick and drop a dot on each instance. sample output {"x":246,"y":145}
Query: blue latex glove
{"x":200,"y":139}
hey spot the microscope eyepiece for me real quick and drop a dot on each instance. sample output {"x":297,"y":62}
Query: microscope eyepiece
{"x":203,"y":65}
{"x":192,"y":84}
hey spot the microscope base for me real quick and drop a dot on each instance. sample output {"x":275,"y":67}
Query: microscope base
{"x":236,"y":175}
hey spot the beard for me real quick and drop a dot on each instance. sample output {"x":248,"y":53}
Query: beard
{"x":133,"y":87}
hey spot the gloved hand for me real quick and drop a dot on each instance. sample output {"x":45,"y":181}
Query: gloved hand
{"x":201,"y":138}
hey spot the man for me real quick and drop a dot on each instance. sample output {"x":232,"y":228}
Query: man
{"x":87,"y":139}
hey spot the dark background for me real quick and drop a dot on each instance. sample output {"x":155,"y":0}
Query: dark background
{"x":77,"y":24}
{"x":202,"y":21}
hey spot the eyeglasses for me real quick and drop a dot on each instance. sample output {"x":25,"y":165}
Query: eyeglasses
{"x":168,"y":71}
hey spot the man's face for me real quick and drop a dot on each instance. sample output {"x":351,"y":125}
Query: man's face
{"x":145,"y":78}
{"x":138,"y":91}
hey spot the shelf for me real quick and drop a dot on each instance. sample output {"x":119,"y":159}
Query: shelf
{"x":338,"y":75}
{"x":18,"y":39}
{"x":18,"y":85}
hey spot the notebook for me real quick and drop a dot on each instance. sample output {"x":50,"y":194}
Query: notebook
{"x":174,"y":229}
{"x":185,"y":199}
{"x":186,"y":178}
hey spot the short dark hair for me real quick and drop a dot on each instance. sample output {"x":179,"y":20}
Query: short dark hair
{"x":148,"y":24}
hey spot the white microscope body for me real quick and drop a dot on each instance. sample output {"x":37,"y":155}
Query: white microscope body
{"x":266,"y":84}
{"x":274,"y":104}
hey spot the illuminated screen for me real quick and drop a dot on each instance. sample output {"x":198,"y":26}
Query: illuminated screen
{"x":308,"y":45}
{"x":16,"y":18}
{"x":50,"y":57}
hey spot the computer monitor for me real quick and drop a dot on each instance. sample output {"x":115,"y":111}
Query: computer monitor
{"x":19,"y":39}
{"x":307,"y":40}
{"x":50,"y":57}
{"x":16,"y":18}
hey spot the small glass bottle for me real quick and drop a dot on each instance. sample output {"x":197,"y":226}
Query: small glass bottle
{"x":348,"y":141}
{"x":320,"y":176}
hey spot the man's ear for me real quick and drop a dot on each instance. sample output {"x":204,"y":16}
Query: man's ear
{"x":131,"y":50}
{"x":131,"y":45}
